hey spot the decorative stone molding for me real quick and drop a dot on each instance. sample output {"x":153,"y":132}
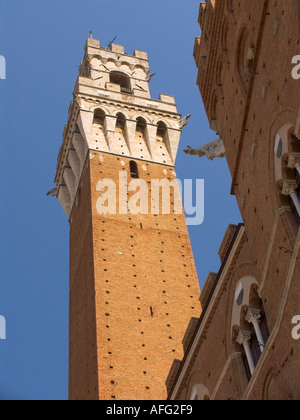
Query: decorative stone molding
{"x":207,"y":288}
{"x":253,"y":316}
{"x":243,"y":339}
{"x":94,"y":90}
{"x":230,"y":232}
{"x":189,"y":333}
{"x":289,"y":187}
{"x":173,"y":373}
{"x":294,"y":161}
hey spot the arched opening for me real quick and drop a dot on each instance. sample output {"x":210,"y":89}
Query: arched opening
{"x":161,"y":129}
{"x":121,"y":121}
{"x":141,"y":125}
{"x":287,"y":168}
{"x":249,"y":323}
{"x":99,"y":117}
{"x":134,"y":170}
{"x":121,"y":79}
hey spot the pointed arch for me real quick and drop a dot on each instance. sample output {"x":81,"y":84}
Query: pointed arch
{"x":141,"y":125}
{"x":99,"y":116}
{"x":161,"y":129}
{"x":121,"y":120}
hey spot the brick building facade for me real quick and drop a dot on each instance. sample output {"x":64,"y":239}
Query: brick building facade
{"x":242,"y":346}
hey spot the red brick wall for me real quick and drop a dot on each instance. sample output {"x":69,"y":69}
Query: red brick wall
{"x":138,"y":281}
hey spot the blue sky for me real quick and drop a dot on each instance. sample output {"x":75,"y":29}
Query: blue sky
{"x":43,"y":44}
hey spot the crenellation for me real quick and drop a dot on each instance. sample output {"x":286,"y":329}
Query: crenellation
{"x":117,"y":82}
{"x":117,"y":49}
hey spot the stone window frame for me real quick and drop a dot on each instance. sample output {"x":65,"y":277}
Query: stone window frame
{"x":249,"y":323}
{"x":287,"y":168}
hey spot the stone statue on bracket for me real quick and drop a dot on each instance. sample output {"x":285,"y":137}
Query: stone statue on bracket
{"x":215,"y":149}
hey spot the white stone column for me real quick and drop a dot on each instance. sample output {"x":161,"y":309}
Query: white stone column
{"x":243,"y":339}
{"x":289,"y":188}
{"x":253,"y":317}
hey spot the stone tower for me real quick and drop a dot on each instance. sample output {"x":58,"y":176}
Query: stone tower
{"x":133,"y":283}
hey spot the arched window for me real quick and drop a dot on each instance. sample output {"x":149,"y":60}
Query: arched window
{"x":161,"y":129}
{"x":249,"y":323}
{"x":121,"y":120}
{"x":121,"y":79}
{"x":134,"y":170}
{"x":99,"y":117}
{"x":287,"y":167}
{"x":141,"y":125}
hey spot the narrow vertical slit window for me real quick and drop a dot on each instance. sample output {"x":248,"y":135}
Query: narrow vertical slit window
{"x":134,"y":171}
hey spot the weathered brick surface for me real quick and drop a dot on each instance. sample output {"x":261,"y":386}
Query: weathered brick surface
{"x":244,"y":61}
{"x":133,"y":293}
{"x":83,"y":375}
